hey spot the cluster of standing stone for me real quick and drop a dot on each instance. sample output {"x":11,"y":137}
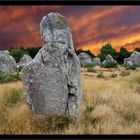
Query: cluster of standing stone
{"x":7,"y":62}
{"x":85,"y":59}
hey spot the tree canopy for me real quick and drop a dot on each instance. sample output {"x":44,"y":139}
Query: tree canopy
{"x":106,"y":50}
{"x":122,"y":54}
{"x":85,"y":51}
{"x":18,"y":53}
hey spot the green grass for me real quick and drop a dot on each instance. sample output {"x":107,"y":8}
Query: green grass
{"x":112,"y":64}
{"x":100,"y":75}
{"x":90,"y":65}
{"x":91,"y":70}
{"x":113,"y":75}
{"x":125,"y":73}
{"x":12,"y":77}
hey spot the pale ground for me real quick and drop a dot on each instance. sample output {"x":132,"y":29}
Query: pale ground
{"x":110,"y":106}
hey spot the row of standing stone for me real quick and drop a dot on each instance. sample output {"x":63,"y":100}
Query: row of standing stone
{"x":84,"y":58}
{"x":8,"y":63}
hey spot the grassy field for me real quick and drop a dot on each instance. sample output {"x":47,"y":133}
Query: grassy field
{"x":111,"y":105}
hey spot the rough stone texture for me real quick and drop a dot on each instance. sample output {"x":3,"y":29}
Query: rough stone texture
{"x":7,"y":62}
{"x":52,"y":79}
{"x":108,"y":59}
{"x":97,"y":61}
{"x":134,"y":58}
{"x":84,"y":59}
{"x":129,"y":63}
{"x":126,"y":60}
{"x":24,"y":60}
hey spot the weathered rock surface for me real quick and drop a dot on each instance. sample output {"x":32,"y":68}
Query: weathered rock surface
{"x":108,"y":59}
{"x":129,"y":64}
{"x":84,"y":59}
{"x":52,"y":79}
{"x":24,"y":60}
{"x":96,"y":61}
{"x":7,"y":62}
{"x":134,"y":58}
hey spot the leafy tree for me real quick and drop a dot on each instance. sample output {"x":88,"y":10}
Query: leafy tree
{"x":79,"y":51}
{"x":90,"y":53}
{"x":17,"y":53}
{"x":106,"y":50}
{"x":123,"y":53}
{"x":137,"y":49}
{"x":32,"y":51}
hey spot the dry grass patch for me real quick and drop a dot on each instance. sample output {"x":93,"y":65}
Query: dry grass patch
{"x":109,"y":106}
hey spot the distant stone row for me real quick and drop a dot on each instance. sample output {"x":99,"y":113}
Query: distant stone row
{"x":85,"y":59}
{"x":8,"y":63}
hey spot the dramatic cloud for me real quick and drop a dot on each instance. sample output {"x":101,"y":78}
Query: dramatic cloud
{"x":92,"y":26}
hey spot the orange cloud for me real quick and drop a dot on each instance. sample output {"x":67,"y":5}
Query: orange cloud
{"x":92,"y":26}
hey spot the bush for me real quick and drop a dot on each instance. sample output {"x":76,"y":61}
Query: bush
{"x":91,"y":70}
{"x":14,"y":98}
{"x":114,"y":75}
{"x":100,"y":75}
{"x":133,"y":67}
{"x":112,"y":64}
{"x":90,"y":65}
{"x":17,"y":53}
{"x":124,"y":73}
{"x":4,"y":77}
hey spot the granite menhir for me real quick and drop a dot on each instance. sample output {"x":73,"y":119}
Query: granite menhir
{"x":52,"y":79}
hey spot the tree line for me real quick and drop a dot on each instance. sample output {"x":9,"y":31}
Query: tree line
{"x":107,"y":49}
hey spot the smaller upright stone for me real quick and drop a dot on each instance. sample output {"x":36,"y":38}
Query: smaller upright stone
{"x":24,"y":60}
{"x":7,"y":62}
{"x":108,"y":59}
{"x":97,"y":60}
{"x":126,"y":60}
{"x":84,"y":59}
{"x":129,"y":63}
{"x":134,"y":58}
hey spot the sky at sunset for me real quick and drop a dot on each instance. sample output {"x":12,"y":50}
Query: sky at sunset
{"x":92,"y":26}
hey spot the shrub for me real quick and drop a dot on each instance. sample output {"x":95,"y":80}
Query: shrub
{"x":14,"y":97}
{"x":4,"y":77}
{"x":100,"y":75}
{"x":114,"y":75}
{"x":91,"y":70}
{"x":133,"y":67}
{"x":89,"y":65}
{"x":124,"y":73}
{"x":112,"y":64}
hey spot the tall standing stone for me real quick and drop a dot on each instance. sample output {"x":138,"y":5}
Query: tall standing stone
{"x":52,"y":79}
